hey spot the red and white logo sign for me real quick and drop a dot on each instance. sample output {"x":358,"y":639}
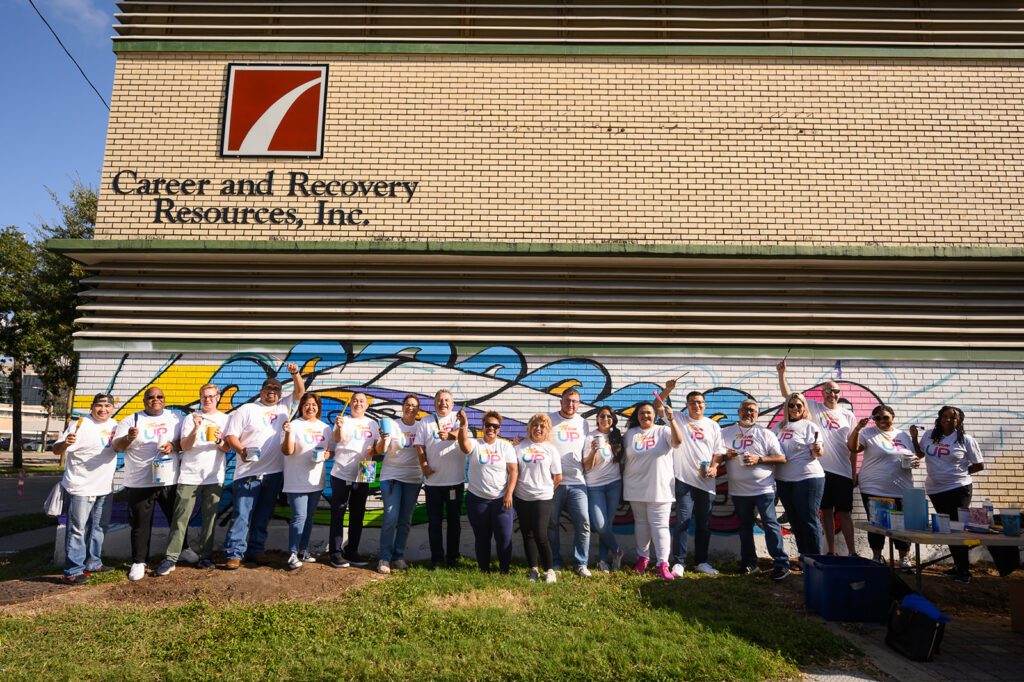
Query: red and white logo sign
{"x":274,"y":110}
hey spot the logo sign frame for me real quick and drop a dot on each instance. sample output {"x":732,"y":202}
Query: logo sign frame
{"x":268,"y":111}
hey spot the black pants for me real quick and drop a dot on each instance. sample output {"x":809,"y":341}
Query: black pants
{"x":140,"y":516}
{"x":877,"y":541}
{"x":534,"y":517}
{"x":350,"y":496}
{"x":444,"y":501}
{"x":949,"y":502}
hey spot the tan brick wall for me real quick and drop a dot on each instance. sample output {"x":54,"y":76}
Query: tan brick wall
{"x":729,"y":150}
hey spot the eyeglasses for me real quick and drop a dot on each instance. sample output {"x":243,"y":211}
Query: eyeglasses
{"x":492,"y":425}
{"x":153,"y":397}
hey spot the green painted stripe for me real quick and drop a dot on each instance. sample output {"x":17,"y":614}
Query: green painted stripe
{"x":71,"y":247}
{"x":326,"y":47}
{"x":828,"y":354}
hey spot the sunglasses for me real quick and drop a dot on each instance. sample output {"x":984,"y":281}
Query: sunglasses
{"x":153,"y":397}
{"x":833,"y":390}
{"x":492,"y":425}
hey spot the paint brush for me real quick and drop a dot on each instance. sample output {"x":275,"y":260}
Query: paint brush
{"x":786,"y":356}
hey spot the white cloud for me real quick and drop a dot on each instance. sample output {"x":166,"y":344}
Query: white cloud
{"x":85,"y":15}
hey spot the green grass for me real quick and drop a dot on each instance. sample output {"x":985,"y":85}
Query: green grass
{"x":30,"y":470}
{"x":28,"y":563}
{"x":440,"y":625}
{"x":9,"y":525}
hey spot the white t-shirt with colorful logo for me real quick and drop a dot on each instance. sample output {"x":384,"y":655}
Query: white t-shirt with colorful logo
{"x":702,"y":440}
{"x":881,"y":472}
{"x":835,"y":426}
{"x":568,"y":436}
{"x":90,"y":461}
{"x":259,"y":426}
{"x":203,"y":463}
{"x":401,"y":461}
{"x":796,"y":439}
{"x":538,"y":463}
{"x":488,"y":468}
{"x":650,"y":468}
{"x":301,"y":473}
{"x":605,"y":470}
{"x":139,"y":456}
{"x":756,"y":479}
{"x":358,"y":435}
{"x":947,"y":461}
{"x":445,"y":457}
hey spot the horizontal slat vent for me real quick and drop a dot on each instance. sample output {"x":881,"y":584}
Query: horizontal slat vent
{"x":936,"y":304}
{"x":956,"y":23}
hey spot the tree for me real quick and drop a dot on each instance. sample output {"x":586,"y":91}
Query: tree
{"x":18,"y":259}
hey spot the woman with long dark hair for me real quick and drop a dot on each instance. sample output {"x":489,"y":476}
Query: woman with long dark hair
{"x":602,"y":467}
{"x":951,"y":456}
{"x":307,"y":444}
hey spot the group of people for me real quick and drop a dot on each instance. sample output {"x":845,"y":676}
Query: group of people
{"x":808,"y":462}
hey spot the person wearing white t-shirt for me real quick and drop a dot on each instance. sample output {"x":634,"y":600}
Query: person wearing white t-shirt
{"x":400,"y":483}
{"x":307,"y":444}
{"x":540,"y":473}
{"x":493,"y":469}
{"x":568,"y":432}
{"x":951,"y":457}
{"x":885,"y":470}
{"x":444,"y":470}
{"x":88,"y":481}
{"x":648,"y":483}
{"x":356,"y":440}
{"x":840,"y":465}
{"x":200,"y":474}
{"x":800,"y":482}
{"x":695,"y":471}
{"x":751,"y":454}
{"x":149,"y":440}
{"x":254,"y":433}
{"x":602,"y":467}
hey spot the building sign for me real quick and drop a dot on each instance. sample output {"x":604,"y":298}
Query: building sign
{"x":274,"y":110}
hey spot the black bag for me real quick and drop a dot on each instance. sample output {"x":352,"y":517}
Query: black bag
{"x":914,"y":634}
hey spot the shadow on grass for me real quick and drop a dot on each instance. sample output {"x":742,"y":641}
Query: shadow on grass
{"x":748,"y":607}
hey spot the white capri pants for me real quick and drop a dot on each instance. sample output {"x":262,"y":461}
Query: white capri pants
{"x":651,"y":523}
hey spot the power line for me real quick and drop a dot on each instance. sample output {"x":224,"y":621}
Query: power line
{"x":70,"y":56}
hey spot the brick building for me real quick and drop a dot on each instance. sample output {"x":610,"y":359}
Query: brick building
{"x":507,"y":200}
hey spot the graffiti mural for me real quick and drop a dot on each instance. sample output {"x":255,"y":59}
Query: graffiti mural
{"x":502,"y":377}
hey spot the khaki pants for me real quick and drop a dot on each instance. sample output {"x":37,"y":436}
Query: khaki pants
{"x":209,"y":502}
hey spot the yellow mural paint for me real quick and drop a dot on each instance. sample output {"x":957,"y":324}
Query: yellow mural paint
{"x":565,"y":386}
{"x":180,"y":384}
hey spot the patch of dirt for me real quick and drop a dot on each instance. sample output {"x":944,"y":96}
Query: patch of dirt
{"x":247,"y":585}
{"x":507,"y":600}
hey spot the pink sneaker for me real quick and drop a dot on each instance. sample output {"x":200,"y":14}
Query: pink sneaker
{"x":641,"y":564}
{"x":664,"y":572}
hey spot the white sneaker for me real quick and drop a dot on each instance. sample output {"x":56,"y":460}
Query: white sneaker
{"x":604,"y":567}
{"x":549,"y":576}
{"x":678,"y":570}
{"x":165,"y":567}
{"x":399,"y":565}
{"x":707,"y":569}
{"x":307,"y":558}
{"x":188,"y":556}
{"x":137,"y":572}
{"x":383,"y":567}
{"x":534,"y":574}
{"x":617,"y":560}
{"x":583,"y":572}
{"x":294,"y":561}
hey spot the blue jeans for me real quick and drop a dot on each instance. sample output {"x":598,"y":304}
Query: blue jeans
{"x":399,"y":504}
{"x":801,"y":500}
{"x":88,"y":519}
{"x":604,"y":501}
{"x":490,"y":519}
{"x":574,"y":499}
{"x":301,"y":526}
{"x":254,"y":505}
{"x":692,"y":503}
{"x":765,"y":505}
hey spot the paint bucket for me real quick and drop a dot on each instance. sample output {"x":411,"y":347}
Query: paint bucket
{"x":940,"y":523}
{"x":908,"y":461}
{"x":367,"y":471}
{"x":211,"y":434}
{"x":1011,"y":522}
{"x":602,"y":446}
{"x":163,"y":470}
{"x":386,"y":426}
{"x":705,"y":467}
{"x":252,"y":455}
{"x":318,"y":454}
{"x":896,"y":520}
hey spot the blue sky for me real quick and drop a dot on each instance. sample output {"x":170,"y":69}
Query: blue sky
{"x":54,"y":126}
